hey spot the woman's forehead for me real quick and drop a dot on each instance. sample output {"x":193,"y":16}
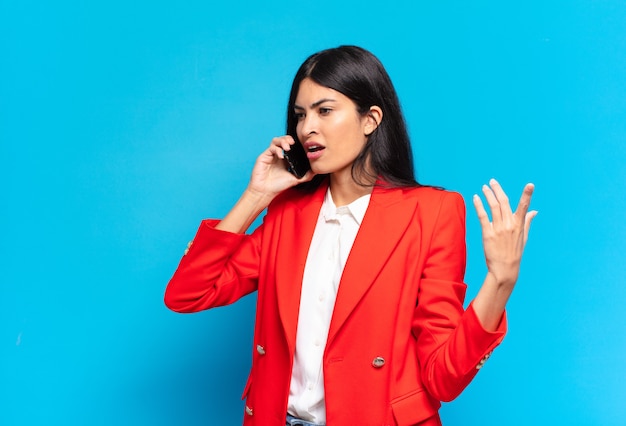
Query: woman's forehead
{"x":311,"y":93}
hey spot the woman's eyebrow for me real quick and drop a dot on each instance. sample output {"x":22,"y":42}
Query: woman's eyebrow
{"x":316,"y":103}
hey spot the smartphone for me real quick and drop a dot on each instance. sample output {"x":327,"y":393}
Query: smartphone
{"x":296,"y":161}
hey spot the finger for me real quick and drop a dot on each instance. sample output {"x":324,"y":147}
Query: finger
{"x":284,"y":142}
{"x":524,"y":201}
{"x":280,"y":144}
{"x":494,"y":206}
{"x":503,"y":200}
{"x":276,"y":151}
{"x":527,"y":221}
{"x":483,"y":218}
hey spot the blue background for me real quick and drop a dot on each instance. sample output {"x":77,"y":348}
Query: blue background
{"x":123,"y":124}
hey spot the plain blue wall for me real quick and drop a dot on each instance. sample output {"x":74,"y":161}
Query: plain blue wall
{"x":123,"y":124}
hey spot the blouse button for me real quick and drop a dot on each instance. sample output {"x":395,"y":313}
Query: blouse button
{"x":260,"y":349}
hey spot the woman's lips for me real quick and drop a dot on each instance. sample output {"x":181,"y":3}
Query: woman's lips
{"x":314,"y":155}
{"x":313,"y":150}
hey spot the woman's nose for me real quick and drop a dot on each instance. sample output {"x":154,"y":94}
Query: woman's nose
{"x":308,"y":125}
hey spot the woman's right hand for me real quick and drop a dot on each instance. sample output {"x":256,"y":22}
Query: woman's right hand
{"x":270,"y":175}
{"x":269,"y":178}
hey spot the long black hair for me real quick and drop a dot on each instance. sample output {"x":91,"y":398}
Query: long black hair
{"x":359,"y":75}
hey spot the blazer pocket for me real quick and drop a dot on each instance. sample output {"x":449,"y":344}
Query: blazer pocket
{"x":414,"y":407}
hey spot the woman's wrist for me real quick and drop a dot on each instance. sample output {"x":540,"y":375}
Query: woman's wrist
{"x":491,"y":300}
{"x":246,"y":210}
{"x":254,"y":197}
{"x":502,"y":282}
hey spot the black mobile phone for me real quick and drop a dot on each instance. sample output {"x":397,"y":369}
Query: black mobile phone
{"x":296,"y":160}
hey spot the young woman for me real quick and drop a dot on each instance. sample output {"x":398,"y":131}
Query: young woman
{"x":358,"y":268}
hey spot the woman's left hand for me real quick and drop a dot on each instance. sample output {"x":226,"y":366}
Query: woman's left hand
{"x":505,"y":236}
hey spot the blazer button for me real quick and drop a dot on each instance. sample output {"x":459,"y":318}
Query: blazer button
{"x":378,"y":362}
{"x":260,"y":349}
{"x":482,"y":361}
{"x":189,"y":244}
{"x":249,"y":411}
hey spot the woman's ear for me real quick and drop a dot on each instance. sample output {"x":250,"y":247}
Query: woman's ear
{"x":373,"y":119}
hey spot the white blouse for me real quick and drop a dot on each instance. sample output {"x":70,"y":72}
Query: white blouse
{"x":334,"y":235}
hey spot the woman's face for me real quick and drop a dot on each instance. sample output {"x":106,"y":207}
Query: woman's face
{"x":329,"y":127}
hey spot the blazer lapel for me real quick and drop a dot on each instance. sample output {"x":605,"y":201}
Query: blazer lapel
{"x":385,"y":220}
{"x":298,"y":222}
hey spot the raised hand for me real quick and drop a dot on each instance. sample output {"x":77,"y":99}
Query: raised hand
{"x":504,"y":239}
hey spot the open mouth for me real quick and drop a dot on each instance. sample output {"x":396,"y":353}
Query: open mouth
{"x":314,"y":148}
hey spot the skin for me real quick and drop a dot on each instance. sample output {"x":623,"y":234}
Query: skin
{"x":330,"y":119}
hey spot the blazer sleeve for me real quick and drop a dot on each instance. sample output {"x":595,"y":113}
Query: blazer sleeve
{"x":219,"y":268}
{"x":452,"y":344}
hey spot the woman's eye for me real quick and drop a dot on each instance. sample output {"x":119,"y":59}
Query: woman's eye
{"x":325,"y":111}
{"x":298,"y":115}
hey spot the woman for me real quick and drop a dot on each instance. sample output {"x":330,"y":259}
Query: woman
{"x":359,"y":269}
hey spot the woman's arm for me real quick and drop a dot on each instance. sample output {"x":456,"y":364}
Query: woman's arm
{"x":453,"y":343}
{"x":504,"y":238}
{"x":221,"y":264}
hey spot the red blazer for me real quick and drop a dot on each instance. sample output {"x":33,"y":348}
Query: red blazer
{"x":399,"y":339}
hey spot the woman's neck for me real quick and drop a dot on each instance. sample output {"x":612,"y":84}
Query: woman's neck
{"x":345,"y":190}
